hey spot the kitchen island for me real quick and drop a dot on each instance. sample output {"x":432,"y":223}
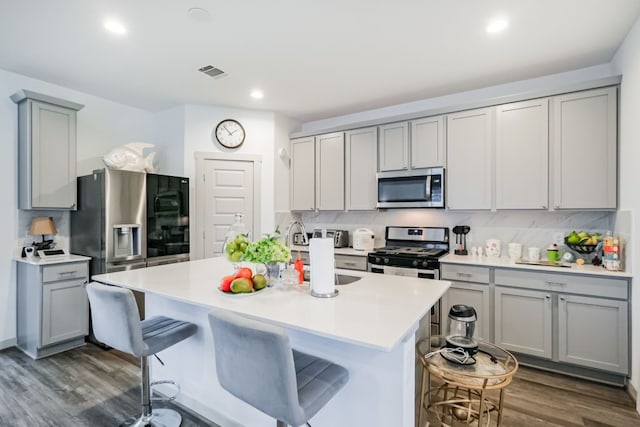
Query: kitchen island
{"x":369,"y":328}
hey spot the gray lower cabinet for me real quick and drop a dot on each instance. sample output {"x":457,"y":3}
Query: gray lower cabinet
{"x":569,"y":318}
{"x":52,"y":307}
{"x":469,"y":286}
{"x":348,"y":262}
{"x":593,"y":332}
{"x":572,"y":323}
{"x":523,"y":321}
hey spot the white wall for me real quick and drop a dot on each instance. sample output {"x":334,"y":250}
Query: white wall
{"x":200,"y":123}
{"x":282,"y":158}
{"x":101,"y":125}
{"x":169,"y":139}
{"x":463,"y":100}
{"x":627,"y":62}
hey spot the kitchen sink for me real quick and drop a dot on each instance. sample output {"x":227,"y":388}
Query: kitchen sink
{"x":341,"y":279}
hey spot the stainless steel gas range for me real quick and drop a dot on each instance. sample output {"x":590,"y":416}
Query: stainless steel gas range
{"x":414,"y":252}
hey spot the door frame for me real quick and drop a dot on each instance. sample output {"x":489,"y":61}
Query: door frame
{"x":201,"y":158}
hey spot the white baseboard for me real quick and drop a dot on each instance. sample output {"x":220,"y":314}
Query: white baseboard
{"x":8,"y":343}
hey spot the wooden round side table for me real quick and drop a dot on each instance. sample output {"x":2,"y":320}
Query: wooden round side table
{"x":461,"y":395}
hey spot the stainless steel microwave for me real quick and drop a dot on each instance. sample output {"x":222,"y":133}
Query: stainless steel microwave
{"x":422,"y":188}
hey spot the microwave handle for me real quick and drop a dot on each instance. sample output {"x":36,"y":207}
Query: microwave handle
{"x":428,"y":189}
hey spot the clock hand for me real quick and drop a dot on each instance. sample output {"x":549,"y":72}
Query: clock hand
{"x":225,"y":128}
{"x":234,"y":131}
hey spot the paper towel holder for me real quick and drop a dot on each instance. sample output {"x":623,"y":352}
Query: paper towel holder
{"x":324,"y":295}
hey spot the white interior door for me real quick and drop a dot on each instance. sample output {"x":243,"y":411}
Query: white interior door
{"x":227,"y":186}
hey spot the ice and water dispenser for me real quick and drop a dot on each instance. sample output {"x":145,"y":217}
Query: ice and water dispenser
{"x":127,"y":240}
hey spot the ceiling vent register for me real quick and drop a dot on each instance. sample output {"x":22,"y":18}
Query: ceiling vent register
{"x":212,"y":71}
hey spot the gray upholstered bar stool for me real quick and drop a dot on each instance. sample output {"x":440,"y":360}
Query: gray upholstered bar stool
{"x":255,"y":363}
{"x":116,"y":322}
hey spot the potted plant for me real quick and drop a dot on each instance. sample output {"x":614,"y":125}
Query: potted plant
{"x":269,"y":251}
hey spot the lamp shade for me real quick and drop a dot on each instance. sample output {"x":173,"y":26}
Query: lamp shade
{"x":42,"y":225}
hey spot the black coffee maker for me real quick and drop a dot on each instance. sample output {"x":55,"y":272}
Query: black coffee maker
{"x":461,"y":232}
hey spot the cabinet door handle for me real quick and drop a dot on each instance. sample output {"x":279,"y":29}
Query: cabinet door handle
{"x":557,"y":206}
{"x":352,"y":264}
{"x":463,"y":274}
{"x":544,"y":207}
{"x":73,"y":205}
{"x":561,"y":298}
{"x":555,"y":283}
{"x":66,"y":273}
{"x":547,"y":296}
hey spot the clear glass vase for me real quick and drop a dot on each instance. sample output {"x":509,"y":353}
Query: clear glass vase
{"x":272,"y":273}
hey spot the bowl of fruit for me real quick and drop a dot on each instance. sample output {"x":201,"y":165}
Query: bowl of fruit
{"x":583,"y":242}
{"x":243,"y":282}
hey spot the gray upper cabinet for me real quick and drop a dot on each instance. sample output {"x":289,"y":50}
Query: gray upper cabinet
{"x":302,"y":176}
{"x":393,"y":147}
{"x":470,"y":159}
{"x":46,"y":151}
{"x":427,"y":143}
{"x":330,"y":172}
{"x":522,"y":155}
{"x":361,"y":158}
{"x":584,"y":141}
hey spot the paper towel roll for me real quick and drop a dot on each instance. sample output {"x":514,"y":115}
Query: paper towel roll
{"x":321,"y":261}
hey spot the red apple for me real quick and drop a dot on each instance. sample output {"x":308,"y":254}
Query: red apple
{"x":244,"y":272}
{"x":225,"y":283}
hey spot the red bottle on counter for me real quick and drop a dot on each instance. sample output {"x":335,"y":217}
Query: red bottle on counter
{"x":299,"y":266}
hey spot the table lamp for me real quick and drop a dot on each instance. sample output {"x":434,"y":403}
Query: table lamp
{"x":42,"y":225}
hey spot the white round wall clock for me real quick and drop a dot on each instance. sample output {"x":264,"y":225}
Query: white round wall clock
{"x":230,"y":133}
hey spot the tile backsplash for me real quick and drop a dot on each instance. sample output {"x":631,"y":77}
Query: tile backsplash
{"x":530,"y":228}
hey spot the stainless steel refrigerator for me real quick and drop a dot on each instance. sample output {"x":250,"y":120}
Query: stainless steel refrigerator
{"x":167,"y":219}
{"x":110,"y":222}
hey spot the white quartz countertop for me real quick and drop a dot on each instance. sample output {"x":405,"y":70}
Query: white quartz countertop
{"x":377,"y":311}
{"x":507,"y":263}
{"x":55,"y":260}
{"x":337,"y":251}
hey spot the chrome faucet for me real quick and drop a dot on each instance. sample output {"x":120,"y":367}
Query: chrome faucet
{"x":287,"y":234}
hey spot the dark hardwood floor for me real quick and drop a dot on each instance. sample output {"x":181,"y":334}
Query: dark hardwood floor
{"x":538,"y":398}
{"x":87,"y":386}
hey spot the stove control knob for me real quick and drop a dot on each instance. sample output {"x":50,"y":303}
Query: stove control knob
{"x":414,"y":263}
{"x":386,"y":260}
{"x":424,"y":264}
{"x":378,"y":259}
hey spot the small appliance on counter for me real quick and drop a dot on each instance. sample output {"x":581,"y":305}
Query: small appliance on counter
{"x":461,"y":326}
{"x":363,"y":239}
{"x":340,"y":237}
{"x":299,"y":240}
{"x":461,"y":232}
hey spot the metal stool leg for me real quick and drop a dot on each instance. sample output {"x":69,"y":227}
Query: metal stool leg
{"x":160,"y":417}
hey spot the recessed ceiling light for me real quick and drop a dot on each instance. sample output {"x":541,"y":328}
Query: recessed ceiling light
{"x":114,"y":26}
{"x":497,"y":25}
{"x":257,"y":94}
